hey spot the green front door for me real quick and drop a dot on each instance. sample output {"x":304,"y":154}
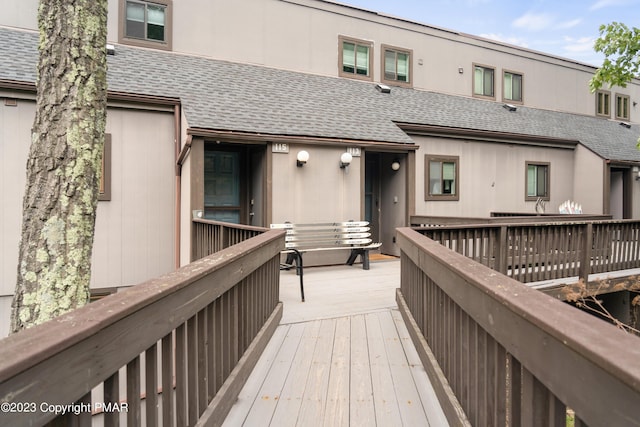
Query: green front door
{"x":222,"y":195}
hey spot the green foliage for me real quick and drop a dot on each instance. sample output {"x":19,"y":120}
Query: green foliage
{"x":621,"y":47}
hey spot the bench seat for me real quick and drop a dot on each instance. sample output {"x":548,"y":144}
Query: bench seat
{"x":354,"y":236}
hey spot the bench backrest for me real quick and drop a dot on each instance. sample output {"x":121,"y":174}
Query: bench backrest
{"x":325,"y":235}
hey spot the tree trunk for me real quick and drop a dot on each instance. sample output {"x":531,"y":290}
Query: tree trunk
{"x":63,"y":169}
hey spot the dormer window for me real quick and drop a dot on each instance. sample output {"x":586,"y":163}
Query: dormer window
{"x":356,"y":58}
{"x":483,"y":81}
{"x":622,"y":107}
{"x":396,"y":67}
{"x":146,"y":23}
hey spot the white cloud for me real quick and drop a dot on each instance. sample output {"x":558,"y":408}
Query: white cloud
{"x":569,"y":24}
{"x":577,"y":45}
{"x":533,"y":21}
{"x":601,"y":4}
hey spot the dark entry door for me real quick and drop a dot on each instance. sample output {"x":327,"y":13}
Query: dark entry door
{"x":222,"y":195}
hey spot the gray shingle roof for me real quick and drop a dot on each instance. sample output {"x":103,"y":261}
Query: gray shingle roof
{"x":223,"y":95}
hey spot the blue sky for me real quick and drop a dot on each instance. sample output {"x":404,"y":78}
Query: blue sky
{"x":567,"y":28}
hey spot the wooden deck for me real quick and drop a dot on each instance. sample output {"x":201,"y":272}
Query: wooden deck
{"x":342,"y":358}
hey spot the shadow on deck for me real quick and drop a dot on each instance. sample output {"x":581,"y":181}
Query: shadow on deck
{"x":343,"y":357}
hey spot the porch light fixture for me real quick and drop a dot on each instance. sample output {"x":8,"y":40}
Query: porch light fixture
{"x":302,"y":158}
{"x":636,"y":172}
{"x":395,"y":165}
{"x":345,"y":160}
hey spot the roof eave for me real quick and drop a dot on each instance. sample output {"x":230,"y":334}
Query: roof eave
{"x":487,"y":135}
{"x":242,"y":137}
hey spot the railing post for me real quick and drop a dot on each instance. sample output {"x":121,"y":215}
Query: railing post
{"x":503,"y":251}
{"x":585,"y":258}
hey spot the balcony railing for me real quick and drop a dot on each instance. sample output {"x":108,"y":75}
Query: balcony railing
{"x":171,"y":351}
{"x":212,"y":236}
{"x":545,"y":251}
{"x":502,"y":218}
{"x":501,"y":353}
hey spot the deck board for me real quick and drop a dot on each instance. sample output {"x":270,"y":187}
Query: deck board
{"x":386,"y":403}
{"x":335,"y":363}
{"x":336,"y":409}
{"x":316,"y":388}
{"x":290,"y":401}
{"x":362,"y":410}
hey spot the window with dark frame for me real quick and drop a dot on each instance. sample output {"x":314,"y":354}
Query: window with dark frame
{"x":537,"y":181}
{"x":441,"y":178}
{"x":396,"y":66}
{"x":622,"y":107}
{"x":356,"y":58}
{"x":512,"y":90}
{"x":603,"y":102}
{"x":483,"y":81}
{"x":146,"y":23}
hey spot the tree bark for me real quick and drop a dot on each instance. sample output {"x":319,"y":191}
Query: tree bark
{"x":63,"y":169}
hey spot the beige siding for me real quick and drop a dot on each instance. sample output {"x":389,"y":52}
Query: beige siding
{"x":492,"y":176}
{"x":135,"y":230}
{"x":320,"y":191}
{"x":19,"y":14}
{"x":589,"y":181}
{"x":311,"y":30}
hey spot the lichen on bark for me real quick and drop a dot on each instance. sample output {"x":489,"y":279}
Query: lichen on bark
{"x":63,"y":169}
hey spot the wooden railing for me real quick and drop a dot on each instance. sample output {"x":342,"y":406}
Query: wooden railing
{"x":212,"y":236}
{"x":175,"y":350}
{"x":500,"y":353}
{"x":545,"y":251}
{"x":501,"y":218}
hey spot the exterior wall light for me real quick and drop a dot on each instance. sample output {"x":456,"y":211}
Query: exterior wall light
{"x":345,"y":160}
{"x":395,"y":165}
{"x":302,"y":158}
{"x":636,"y":172}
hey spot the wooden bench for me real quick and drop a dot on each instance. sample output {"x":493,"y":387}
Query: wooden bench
{"x":350,"y":235}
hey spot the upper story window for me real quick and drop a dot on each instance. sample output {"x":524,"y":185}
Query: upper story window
{"x":356,"y":58}
{"x":537,"y":181}
{"x":622,"y":107}
{"x":441,"y":178}
{"x":603,"y":102}
{"x":512,"y":90}
{"x":483,"y":81}
{"x":396,"y":66}
{"x":146,"y":23}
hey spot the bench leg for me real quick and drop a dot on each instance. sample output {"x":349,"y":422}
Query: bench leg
{"x":299,"y":269}
{"x":352,"y":256}
{"x":365,"y":259}
{"x":364,"y":256}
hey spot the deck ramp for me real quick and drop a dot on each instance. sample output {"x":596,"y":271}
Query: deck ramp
{"x":342,"y":358}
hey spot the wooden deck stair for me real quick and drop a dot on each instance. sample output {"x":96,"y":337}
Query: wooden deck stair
{"x":343,"y":358}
